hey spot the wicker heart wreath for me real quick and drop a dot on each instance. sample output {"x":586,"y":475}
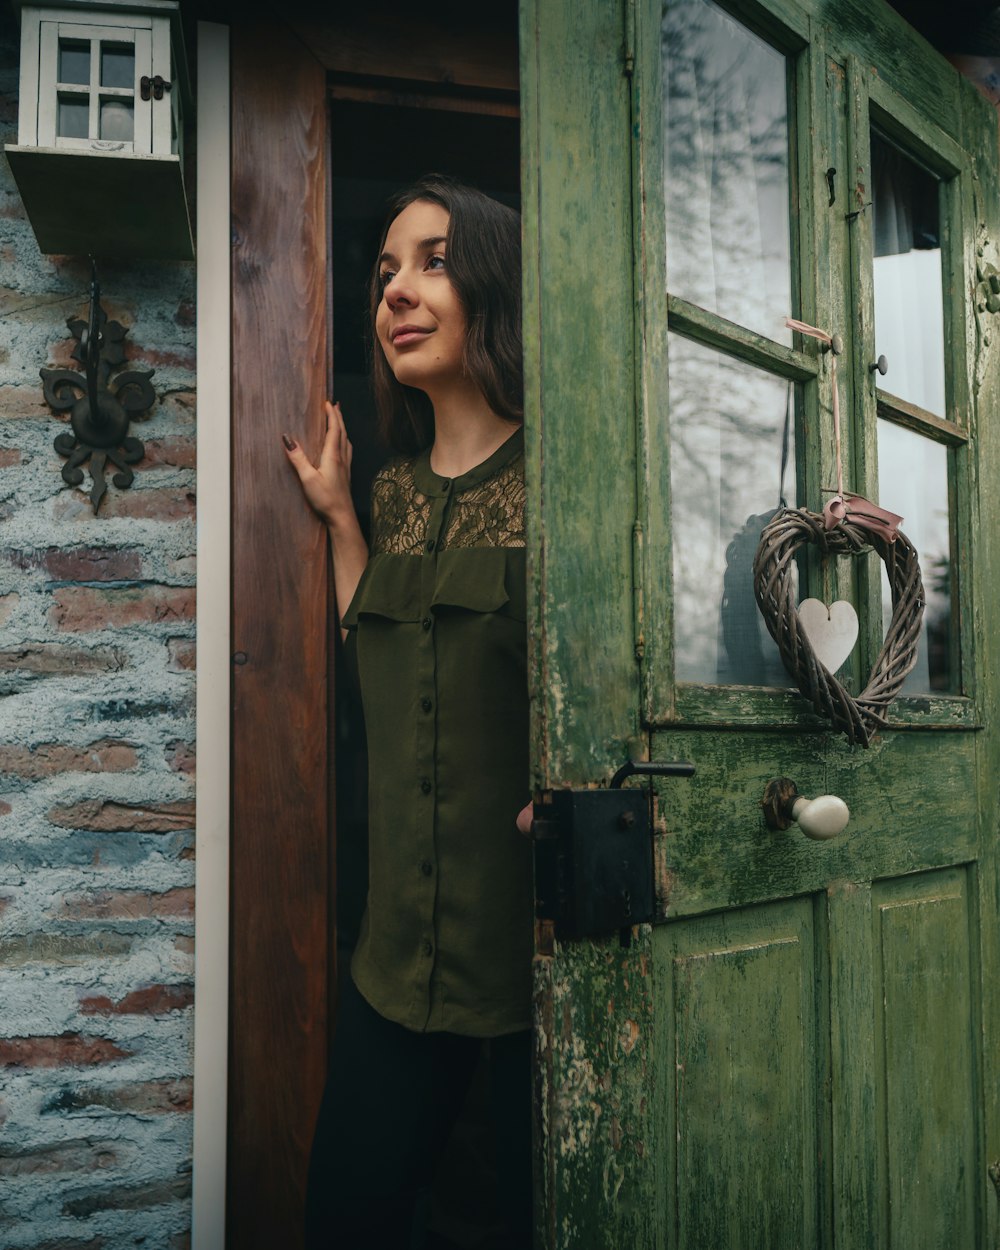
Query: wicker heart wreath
{"x":859,"y":718}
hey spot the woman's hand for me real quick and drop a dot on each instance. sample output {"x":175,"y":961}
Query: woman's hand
{"x":524,"y":819}
{"x":327,"y":486}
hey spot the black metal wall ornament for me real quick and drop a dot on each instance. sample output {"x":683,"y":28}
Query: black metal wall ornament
{"x":99,"y":416}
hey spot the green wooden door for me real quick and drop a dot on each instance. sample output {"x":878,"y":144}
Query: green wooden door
{"x":800,"y":1051}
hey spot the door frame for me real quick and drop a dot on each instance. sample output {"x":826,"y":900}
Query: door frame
{"x":281,"y":861}
{"x":277,"y":663}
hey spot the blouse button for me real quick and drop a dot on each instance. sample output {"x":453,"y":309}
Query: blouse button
{"x":426,"y":622}
{"x":425,"y":704}
{"x":430,"y":544}
{"x":446,"y":484}
{"x":427,"y":947}
{"x":425,"y":786}
{"x":426,"y":867}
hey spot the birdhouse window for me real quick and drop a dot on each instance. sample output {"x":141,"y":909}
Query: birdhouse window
{"x":89,"y":80}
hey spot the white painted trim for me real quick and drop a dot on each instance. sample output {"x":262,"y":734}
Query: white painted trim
{"x":211,"y":978}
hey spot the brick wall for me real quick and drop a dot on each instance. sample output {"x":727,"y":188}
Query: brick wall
{"x":96,"y":769}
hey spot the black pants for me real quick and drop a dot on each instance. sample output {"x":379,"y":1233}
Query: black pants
{"x":391,"y":1100}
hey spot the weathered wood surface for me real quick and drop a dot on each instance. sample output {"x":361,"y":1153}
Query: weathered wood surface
{"x":853,"y":1089}
{"x":983,"y":553}
{"x":787,"y":709}
{"x":741,"y":344}
{"x":479,"y":51}
{"x":925,"y":1046}
{"x":580,"y":432}
{"x":595,"y":1051}
{"x":742,"y":1048}
{"x":908,"y":795}
{"x":593,"y":1161}
{"x":280,"y":864}
{"x":829,"y":1007}
{"x":918,"y":419}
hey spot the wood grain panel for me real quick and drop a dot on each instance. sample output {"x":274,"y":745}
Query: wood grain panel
{"x":744,"y":1062}
{"x":714,"y":849}
{"x":387,"y":41}
{"x":280,"y":852}
{"x":593,"y":1000}
{"x":924,"y":1030}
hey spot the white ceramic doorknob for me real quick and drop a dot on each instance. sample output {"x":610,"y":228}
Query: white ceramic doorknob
{"x":818,"y":819}
{"x":821,"y":818}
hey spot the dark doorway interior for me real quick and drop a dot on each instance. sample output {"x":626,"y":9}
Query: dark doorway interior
{"x":378,"y":149}
{"x":382,"y":139}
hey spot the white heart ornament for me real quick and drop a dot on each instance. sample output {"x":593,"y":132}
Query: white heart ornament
{"x":832,"y":631}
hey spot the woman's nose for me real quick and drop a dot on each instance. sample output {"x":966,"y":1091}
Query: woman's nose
{"x":399,"y":294}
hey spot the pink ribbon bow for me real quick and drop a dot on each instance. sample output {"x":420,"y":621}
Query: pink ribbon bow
{"x":861,"y":511}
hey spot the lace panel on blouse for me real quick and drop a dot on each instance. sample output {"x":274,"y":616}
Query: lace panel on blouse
{"x":490,"y":514}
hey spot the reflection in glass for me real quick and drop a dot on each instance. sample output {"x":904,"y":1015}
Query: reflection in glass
{"x":117,"y":65}
{"x":74,"y":61}
{"x":74,"y":117}
{"x":727,"y":428}
{"x":116,"y":120}
{"x":913,"y":481}
{"x":726,"y":192}
{"x":909,"y":309}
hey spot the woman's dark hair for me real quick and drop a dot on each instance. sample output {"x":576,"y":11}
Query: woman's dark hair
{"x":484,"y":267}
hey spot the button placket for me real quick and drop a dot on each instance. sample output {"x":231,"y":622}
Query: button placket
{"x":426,"y":734}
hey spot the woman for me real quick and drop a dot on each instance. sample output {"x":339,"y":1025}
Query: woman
{"x":434,"y":617}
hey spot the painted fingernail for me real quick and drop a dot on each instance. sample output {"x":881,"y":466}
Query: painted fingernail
{"x":290,"y":443}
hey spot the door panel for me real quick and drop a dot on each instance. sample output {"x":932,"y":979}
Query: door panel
{"x":715,"y":851}
{"x":925,"y":1045}
{"x":740,"y":1044}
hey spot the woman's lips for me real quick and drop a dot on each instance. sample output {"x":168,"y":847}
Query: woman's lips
{"x":408,"y":334}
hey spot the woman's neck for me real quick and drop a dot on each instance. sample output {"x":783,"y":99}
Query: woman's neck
{"x":466,"y":430}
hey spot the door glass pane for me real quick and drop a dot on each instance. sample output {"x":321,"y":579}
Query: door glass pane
{"x":116,"y":120}
{"x":74,"y":61}
{"x":727,"y":431}
{"x":726,"y":182}
{"x":74,"y":115}
{"x":117,"y":65}
{"x":909,"y":309}
{"x":913,"y":481}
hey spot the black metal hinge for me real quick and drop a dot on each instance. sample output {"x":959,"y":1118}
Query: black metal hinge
{"x":594,"y":854}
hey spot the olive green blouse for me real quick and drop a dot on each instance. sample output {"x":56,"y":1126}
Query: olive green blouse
{"x":438,"y":628}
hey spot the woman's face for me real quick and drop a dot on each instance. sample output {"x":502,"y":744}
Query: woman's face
{"x":419,"y":321}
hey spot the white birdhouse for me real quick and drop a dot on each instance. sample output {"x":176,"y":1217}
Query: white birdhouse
{"x":98,"y":158}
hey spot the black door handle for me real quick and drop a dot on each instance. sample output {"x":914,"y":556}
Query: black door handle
{"x":651,"y":768}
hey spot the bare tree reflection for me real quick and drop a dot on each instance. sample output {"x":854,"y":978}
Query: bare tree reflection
{"x":937,"y":623}
{"x":728,"y":431}
{"x":726,"y":177}
{"x":913,"y":480}
{"x":726,"y":190}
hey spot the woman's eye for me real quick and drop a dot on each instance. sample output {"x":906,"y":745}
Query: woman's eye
{"x":385,"y":277}
{"x":435,"y":262}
